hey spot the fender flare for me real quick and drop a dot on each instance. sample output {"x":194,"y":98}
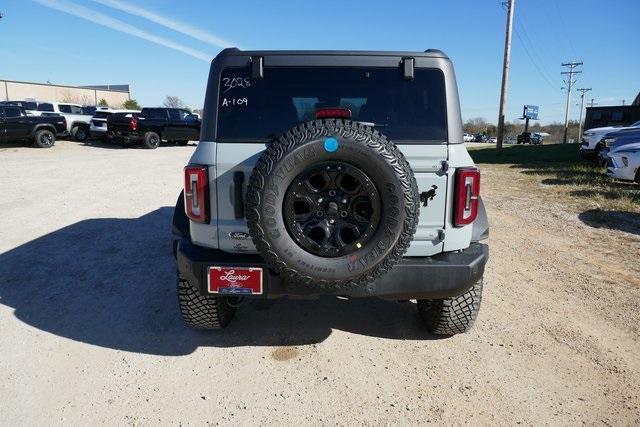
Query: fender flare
{"x":480,"y":227}
{"x":41,"y":126}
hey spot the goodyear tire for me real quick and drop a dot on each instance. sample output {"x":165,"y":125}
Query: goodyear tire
{"x":332,"y":204}
{"x":453,"y":315}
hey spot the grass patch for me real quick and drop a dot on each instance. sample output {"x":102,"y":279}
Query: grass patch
{"x":564,"y":174}
{"x":551,"y":153}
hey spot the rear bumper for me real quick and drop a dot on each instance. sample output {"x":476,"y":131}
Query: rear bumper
{"x":440,"y":276}
{"x":125,"y":136}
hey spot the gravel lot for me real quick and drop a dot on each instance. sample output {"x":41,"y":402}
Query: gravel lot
{"x":90,"y":329}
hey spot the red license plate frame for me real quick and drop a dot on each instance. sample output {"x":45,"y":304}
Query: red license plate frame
{"x":227,"y":280}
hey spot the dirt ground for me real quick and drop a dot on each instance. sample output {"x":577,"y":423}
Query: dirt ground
{"x":90,"y":329}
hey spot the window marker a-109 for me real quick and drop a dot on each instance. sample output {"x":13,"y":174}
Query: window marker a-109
{"x":331,"y":173}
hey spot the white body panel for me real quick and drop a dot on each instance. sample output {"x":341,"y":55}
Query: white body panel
{"x":428,"y":162}
{"x":72,"y":119}
{"x":624,"y":162}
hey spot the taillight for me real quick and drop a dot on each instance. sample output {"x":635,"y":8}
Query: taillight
{"x":334,"y":113}
{"x":467,"y":191}
{"x":133,"y":123}
{"x":196,"y":193}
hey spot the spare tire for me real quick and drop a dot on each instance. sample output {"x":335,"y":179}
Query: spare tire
{"x":332,"y":204}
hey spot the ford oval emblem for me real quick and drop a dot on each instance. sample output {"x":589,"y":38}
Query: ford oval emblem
{"x":239,"y":235}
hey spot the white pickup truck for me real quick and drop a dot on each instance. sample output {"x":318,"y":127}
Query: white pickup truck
{"x":77,"y":122}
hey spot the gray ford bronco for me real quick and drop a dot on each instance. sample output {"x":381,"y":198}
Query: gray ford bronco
{"x":331,"y":173}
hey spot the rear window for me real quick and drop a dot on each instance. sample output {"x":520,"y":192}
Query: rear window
{"x":45,"y":107}
{"x":154,"y":113}
{"x":263,"y":109}
{"x":12,"y":112}
{"x":101,"y":115}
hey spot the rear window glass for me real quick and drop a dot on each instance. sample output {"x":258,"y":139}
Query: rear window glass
{"x":101,"y":115}
{"x":263,"y":109}
{"x":45,"y":107}
{"x":12,"y":112}
{"x":155,"y":113}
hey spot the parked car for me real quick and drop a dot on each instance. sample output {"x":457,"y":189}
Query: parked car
{"x":30,"y":107}
{"x":615,"y":140}
{"x":293,"y":192}
{"x":77,"y":121}
{"x":16,"y":125}
{"x":624,"y":162}
{"x":480,"y":137}
{"x":153,"y":125}
{"x":529,"y":138}
{"x":591,"y":138}
{"x":467,"y":137}
{"x":98,"y":128}
{"x":492,"y":140}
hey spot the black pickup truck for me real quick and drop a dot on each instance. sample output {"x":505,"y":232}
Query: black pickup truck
{"x":529,"y":138}
{"x":153,"y":125}
{"x":15,"y":125}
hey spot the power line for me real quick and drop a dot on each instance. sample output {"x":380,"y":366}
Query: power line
{"x":569,"y":82}
{"x":543,"y":70}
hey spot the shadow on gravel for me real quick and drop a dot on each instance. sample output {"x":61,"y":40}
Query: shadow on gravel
{"x":98,"y":143}
{"x":628,"y":222}
{"x":110,"y":282}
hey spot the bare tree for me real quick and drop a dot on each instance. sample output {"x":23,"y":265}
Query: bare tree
{"x":173,"y":102}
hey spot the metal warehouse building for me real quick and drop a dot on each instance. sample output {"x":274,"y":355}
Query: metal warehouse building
{"x":115,"y":95}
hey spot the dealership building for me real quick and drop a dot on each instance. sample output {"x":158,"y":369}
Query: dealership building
{"x":115,"y":95}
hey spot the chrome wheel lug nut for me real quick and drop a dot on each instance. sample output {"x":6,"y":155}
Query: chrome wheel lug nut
{"x":319,"y":214}
{"x":332,"y":193}
{"x":331,"y":221}
{"x":343,"y":214}
{"x":344,"y":201}
{"x":320,"y":200}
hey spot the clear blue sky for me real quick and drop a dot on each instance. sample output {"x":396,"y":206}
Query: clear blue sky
{"x":163,"y":47}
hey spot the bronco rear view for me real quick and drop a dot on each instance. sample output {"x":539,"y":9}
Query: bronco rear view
{"x":331,"y":173}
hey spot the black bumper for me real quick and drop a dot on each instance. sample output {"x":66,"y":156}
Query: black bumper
{"x":440,"y":276}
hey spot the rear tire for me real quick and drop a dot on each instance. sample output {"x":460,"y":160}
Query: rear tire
{"x":151,"y":140}
{"x":203,"y":312}
{"x":453,"y":315}
{"x":79,"y":133}
{"x":44,"y":139}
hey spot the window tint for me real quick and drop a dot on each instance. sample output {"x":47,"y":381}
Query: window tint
{"x":101,"y":115}
{"x":45,"y":107}
{"x":11,"y":112}
{"x":401,"y":109}
{"x":155,"y":113}
{"x":30,"y":105}
{"x":71,"y":109}
{"x":616,"y":116}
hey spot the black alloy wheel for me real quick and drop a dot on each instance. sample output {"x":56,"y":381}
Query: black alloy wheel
{"x":332,"y":209}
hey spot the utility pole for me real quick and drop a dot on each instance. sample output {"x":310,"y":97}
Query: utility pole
{"x":582,"y":91}
{"x":591,"y":103}
{"x":569,"y":83}
{"x":505,"y":74}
